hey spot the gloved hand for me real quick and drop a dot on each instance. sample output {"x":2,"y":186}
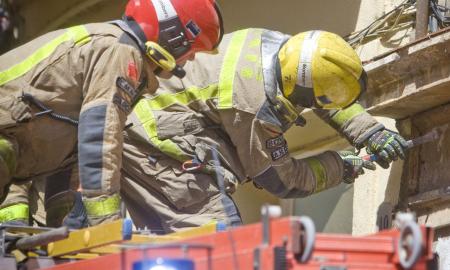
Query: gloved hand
{"x":386,"y":146}
{"x":353,"y":166}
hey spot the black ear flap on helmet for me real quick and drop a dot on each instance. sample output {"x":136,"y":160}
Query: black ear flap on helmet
{"x":363,"y":81}
{"x":304,"y":97}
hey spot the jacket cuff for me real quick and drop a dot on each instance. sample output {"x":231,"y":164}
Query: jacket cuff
{"x":356,"y":124}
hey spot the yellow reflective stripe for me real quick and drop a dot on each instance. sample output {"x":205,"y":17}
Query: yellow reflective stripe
{"x":144,"y":112}
{"x":227,"y":74}
{"x":172,"y":150}
{"x":319,"y":172}
{"x":185,"y":97}
{"x":78,"y":34}
{"x":102,"y":207}
{"x":14,"y":212}
{"x":7,"y":155}
{"x":346,"y":114}
{"x":145,"y":115}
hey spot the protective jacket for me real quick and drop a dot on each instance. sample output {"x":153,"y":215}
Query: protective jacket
{"x":228,"y":116}
{"x":67,"y":94}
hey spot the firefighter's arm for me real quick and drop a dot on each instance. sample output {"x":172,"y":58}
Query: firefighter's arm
{"x":263,"y":152}
{"x":111,"y":78}
{"x":353,"y":122}
{"x":293,"y":178}
{"x":363,"y":130}
{"x":287,"y":177}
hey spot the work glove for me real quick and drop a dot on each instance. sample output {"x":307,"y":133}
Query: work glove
{"x":354,"y":166}
{"x":386,"y":146}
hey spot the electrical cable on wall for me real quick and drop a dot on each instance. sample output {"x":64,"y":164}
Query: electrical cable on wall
{"x":439,"y":12}
{"x":399,"y":18}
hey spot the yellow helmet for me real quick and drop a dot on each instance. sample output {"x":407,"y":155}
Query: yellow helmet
{"x":320,"y":69}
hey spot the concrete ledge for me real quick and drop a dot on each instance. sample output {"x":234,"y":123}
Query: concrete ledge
{"x":410,"y":79}
{"x":436,"y":217}
{"x":429,"y":198}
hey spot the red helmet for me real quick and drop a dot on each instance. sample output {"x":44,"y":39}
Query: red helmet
{"x":182,"y":27}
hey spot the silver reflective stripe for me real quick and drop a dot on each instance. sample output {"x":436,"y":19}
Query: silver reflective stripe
{"x":164,"y":9}
{"x":270,"y":45}
{"x":304,"y":76}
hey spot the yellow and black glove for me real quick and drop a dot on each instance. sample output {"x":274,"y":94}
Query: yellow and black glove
{"x":387,"y":146}
{"x":354,"y":166}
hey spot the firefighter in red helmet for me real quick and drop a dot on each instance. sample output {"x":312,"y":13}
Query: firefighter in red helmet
{"x":74,"y":89}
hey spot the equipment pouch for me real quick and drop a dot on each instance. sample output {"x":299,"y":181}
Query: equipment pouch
{"x":183,"y":190}
{"x":170,"y":124}
{"x":12,"y":111}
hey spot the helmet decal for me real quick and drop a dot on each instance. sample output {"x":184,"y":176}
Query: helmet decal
{"x":164,"y":9}
{"x":193,"y":28}
{"x":324,"y":99}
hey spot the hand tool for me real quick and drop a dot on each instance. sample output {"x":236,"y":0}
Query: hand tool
{"x":432,"y":135}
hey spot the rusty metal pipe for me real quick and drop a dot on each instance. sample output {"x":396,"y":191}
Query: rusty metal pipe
{"x":422,"y":14}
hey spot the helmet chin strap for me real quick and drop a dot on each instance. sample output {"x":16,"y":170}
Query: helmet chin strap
{"x":178,"y":72}
{"x":157,"y":70}
{"x":278,"y":72}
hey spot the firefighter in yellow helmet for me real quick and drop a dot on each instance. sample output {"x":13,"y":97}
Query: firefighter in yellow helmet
{"x":223,"y":124}
{"x":330,"y":76}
